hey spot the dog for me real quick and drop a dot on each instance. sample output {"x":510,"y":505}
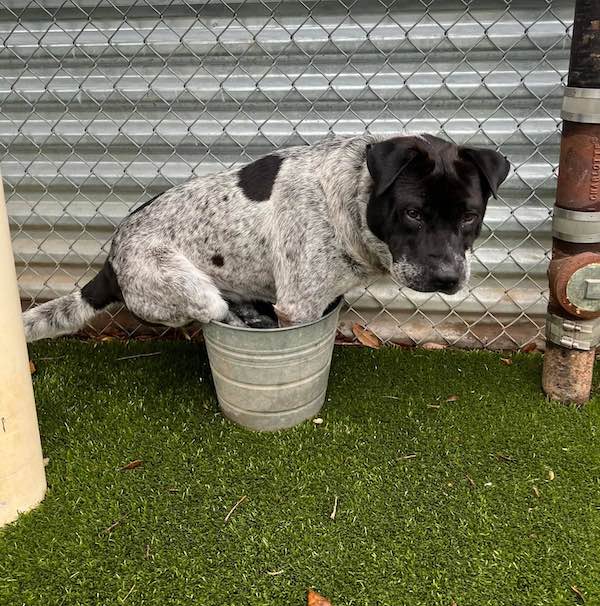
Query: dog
{"x":296,"y":228}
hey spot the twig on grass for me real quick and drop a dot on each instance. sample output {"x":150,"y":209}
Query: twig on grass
{"x":578,"y":593}
{"x":128,"y":593}
{"x":114,"y":524}
{"x":234,"y":508}
{"x":505,"y":458}
{"x":391,"y":397}
{"x":334,"y":512}
{"x":132,"y":465}
{"x":144,"y":355}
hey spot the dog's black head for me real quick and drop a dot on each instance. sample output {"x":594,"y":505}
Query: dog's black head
{"x":428,"y":201}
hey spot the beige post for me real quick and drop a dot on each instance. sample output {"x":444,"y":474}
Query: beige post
{"x":22,"y":476}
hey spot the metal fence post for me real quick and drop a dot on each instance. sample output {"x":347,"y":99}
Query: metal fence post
{"x":573,"y":319}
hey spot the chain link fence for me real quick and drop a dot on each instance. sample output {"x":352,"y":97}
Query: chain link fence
{"x":106,"y":104}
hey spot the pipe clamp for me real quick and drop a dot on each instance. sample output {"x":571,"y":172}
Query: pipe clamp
{"x":573,"y":334}
{"x":576,"y":226}
{"x":581,"y":105}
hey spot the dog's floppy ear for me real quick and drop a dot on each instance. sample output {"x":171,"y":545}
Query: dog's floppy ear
{"x":386,"y":161}
{"x":492,"y":166}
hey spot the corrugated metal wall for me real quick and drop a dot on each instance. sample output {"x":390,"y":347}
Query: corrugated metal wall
{"x":106,"y":104}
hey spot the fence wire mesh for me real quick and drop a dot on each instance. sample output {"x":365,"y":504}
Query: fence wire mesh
{"x":106,"y":104}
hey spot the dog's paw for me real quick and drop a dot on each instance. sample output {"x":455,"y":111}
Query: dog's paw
{"x":233,"y":320}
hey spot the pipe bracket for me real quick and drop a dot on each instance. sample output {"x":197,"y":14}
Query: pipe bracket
{"x":581,"y":105}
{"x":576,"y":226}
{"x":573,"y":334}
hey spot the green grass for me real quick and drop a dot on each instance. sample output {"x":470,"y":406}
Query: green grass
{"x":408,"y":531}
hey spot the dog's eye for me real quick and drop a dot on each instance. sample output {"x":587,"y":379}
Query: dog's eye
{"x":414,"y":214}
{"x":469,"y":219}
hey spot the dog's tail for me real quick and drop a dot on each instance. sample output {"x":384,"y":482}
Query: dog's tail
{"x":70,"y":313}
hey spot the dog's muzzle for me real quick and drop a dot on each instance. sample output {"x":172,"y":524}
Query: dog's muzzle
{"x":435,"y":277}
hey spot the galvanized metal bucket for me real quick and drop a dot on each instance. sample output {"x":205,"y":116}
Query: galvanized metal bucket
{"x":270,"y":379}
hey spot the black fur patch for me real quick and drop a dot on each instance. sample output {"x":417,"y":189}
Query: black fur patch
{"x":218,"y":260}
{"x":147,"y":203}
{"x":256,"y":180}
{"x":103,"y":289}
{"x":332,"y":305}
{"x":266,"y":309}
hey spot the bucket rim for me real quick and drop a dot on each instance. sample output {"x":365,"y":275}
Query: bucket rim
{"x":225,"y":326}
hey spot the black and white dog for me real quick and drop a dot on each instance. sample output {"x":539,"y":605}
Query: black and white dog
{"x":296,"y":228}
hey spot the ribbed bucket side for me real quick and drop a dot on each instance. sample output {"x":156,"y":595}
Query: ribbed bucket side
{"x":271,"y":379}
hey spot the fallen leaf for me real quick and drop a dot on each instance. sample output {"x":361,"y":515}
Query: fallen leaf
{"x":550,"y":475}
{"x":577,"y":592}
{"x":452,"y":398}
{"x":316,"y":599}
{"x":46,"y":460}
{"x":318,"y":421}
{"x":132,"y":465}
{"x":365,"y":336}
{"x":536,"y":491}
{"x":506,"y":361}
{"x":529,"y":347}
{"x":32,"y":367}
{"x":433,"y":346}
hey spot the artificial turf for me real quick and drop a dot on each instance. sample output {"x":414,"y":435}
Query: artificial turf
{"x":438,"y":502}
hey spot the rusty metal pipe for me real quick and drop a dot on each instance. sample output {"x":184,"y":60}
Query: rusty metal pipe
{"x":572,"y":322}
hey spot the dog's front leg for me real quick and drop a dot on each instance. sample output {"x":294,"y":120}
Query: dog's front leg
{"x":290,"y":313}
{"x":305,"y":288}
{"x":282,"y":317}
{"x":306,"y":258}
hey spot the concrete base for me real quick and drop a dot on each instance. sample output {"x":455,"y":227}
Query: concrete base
{"x":567,"y":374}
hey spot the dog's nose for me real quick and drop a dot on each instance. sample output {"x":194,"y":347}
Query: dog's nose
{"x":446,"y":280}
